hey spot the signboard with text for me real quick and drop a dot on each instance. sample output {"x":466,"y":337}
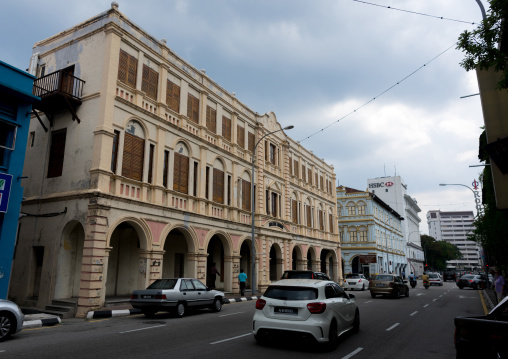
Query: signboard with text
{"x":5,"y":189}
{"x":371,"y":258}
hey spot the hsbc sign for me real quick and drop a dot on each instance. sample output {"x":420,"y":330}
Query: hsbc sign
{"x":380,"y":184}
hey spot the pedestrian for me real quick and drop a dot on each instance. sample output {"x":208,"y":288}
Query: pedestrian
{"x":242,"y":281}
{"x":212,"y":274}
{"x":499,"y":284}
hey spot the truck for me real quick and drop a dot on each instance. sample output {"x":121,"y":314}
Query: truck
{"x":483,"y":336}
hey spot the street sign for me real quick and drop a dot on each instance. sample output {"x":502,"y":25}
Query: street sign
{"x":5,"y":189}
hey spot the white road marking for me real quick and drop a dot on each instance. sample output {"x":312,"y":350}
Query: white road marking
{"x":369,"y":301}
{"x":353,"y":353}
{"x":137,"y":330}
{"x":426,"y":305}
{"x":225,"y":315}
{"x":225,"y":340}
{"x":393,"y":326}
{"x":413,"y":313}
{"x":440,"y":296}
{"x":419,"y":294}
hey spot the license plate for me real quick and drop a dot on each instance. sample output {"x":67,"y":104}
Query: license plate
{"x":379,"y":285}
{"x":284,"y":310}
{"x":146,"y":297}
{"x":352,"y":283}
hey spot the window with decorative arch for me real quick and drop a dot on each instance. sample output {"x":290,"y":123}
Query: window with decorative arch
{"x":351,"y":209}
{"x":181,"y":168}
{"x":363,"y":234}
{"x":218,"y":182}
{"x":353,"y":234}
{"x":133,"y":151}
{"x":361,"y":208}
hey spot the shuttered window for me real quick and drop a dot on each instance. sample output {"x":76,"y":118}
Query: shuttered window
{"x":321,"y":182}
{"x":181,"y":174}
{"x":226,"y":128}
{"x":309,"y":217}
{"x":149,"y":82}
{"x":330,"y":221}
{"x":150,"y":163}
{"x":275,"y":210}
{"x":294,"y":209}
{"x":114,"y":152}
{"x":272,"y":153}
{"x":133,"y":155}
{"x":251,"y":139}
{"x":316,"y":179}
{"x":240,"y":136}
{"x":321,"y":220}
{"x":303,"y":173}
{"x":246,"y":195}
{"x":127,"y":69}
{"x":290,"y":166}
{"x":296,"y":169}
{"x":218,"y":186}
{"x":193,"y":108}
{"x":165,"y":169}
{"x":211,"y":119}
{"x":56,"y":153}
{"x":310,"y":176}
{"x":173,"y":96}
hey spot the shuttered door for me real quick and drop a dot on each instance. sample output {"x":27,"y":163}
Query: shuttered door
{"x":56,"y":153}
{"x":251,"y":138}
{"x":309,"y":218}
{"x":149,"y":82}
{"x":173,"y":96}
{"x":127,"y":69}
{"x":310,"y":176}
{"x":181,"y":174}
{"x":295,"y":211}
{"x":246,"y":195}
{"x":226,"y":128}
{"x":192,"y":108}
{"x":133,"y":154}
{"x":296,"y":169}
{"x":330,"y":221}
{"x":240,"y":136}
{"x":218,"y":186}
{"x":211,"y":119}
{"x":321,"y":223}
{"x":304,"y":174}
{"x":290,"y":166}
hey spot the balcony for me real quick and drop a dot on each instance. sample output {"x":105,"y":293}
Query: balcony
{"x":57,"y":90}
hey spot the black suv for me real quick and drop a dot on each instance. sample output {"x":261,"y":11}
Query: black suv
{"x":304,"y":274}
{"x":449,"y":275}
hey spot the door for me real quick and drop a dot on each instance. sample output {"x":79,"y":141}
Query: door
{"x":204,"y":297}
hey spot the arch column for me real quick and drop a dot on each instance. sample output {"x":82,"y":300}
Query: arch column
{"x":197,"y":265}
{"x":235,"y":265}
{"x":229,"y":272}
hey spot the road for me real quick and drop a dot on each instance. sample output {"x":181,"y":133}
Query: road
{"x":420,"y":326}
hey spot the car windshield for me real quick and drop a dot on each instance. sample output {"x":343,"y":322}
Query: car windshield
{"x":467,"y":276}
{"x":163,"y":284}
{"x":291,"y":293}
{"x":298,"y":275}
{"x":354,"y":276}
{"x":383,"y":277}
{"x":433,"y":275}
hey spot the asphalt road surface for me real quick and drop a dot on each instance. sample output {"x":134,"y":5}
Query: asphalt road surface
{"x":420,"y":326}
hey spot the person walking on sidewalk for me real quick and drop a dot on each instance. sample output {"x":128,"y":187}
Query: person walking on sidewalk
{"x":500,"y":285}
{"x":242,"y":281}
{"x":212,"y":275}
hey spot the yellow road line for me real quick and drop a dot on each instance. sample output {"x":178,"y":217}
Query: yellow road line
{"x":483,"y":302}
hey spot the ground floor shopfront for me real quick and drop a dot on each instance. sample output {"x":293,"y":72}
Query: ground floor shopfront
{"x":96,"y":247}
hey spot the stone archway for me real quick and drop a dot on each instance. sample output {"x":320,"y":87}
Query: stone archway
{"x":275,"y":262}
{"x":296,"y":258}
{"x":246,"y":260}
{"x":175,"y":260}
{"x":219,"y":252}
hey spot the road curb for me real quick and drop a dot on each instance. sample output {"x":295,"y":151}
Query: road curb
{"x":241,"y":299}
{"x":111,"y":313}
{"x":47,"y":322}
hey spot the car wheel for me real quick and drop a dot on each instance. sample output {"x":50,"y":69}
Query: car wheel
{"x":356,"y":323}
{"x":149,"y":313}
{"x":333,"y":339}
{"x":373,"y":295}
{"x":7,"y":325}
{"x":180,"y":310}
{"x":217,"y":305}
{"x":407,"y":292}
{"x":261,"y":339}
{"x":397,"y":294}
{"x":363,"y":287}
{"x":461,"y":287}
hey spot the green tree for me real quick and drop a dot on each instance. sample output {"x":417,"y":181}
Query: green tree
{"x":481,"y":45}
{"x":438,"y":252}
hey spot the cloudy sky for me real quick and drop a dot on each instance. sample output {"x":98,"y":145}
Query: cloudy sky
{"x":313,"y":63}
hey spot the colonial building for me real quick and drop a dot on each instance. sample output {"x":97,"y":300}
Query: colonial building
{"x":140,"y":168}
{"x":370,"y":233}
{"x":454,"y":227}
{"x":16,"y":101}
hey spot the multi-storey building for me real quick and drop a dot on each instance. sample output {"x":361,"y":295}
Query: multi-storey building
{"x":370,"y":233}
{"x":16,"y":101}
{"x":393,"y":191}
{"x":145,"y":172}
{"x":455,"y":227}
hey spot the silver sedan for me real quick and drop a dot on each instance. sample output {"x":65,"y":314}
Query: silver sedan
{"x":11,"y":319}
{"x":176,"y":295}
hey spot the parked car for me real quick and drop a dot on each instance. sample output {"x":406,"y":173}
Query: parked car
{"x":449,"y":274}
{"x":483,"y":336}
{"x":11,"y":319}
{"x":176,"y":295}
{"x":388,"y":284}
{"x":315,"y":310}
{"x":435,"y":278}
{"x":356,"y":281}
{"x":474,"y":281}
{"x":304,"y":274}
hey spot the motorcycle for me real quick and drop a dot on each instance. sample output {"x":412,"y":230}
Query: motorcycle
{"x":413,"y":283}
{"x":426,"y":285}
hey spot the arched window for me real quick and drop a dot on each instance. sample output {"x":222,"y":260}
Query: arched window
{"x":181,"y":169}
{"x":353,"y":234}
{"x":362,"y":234}
{"x":361,"y":207}
{"x":133,"y":151}
{"x":351,"y":209}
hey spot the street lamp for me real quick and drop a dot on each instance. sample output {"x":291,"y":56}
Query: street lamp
{"x":475,"y":193}
{"x":253,"y":208}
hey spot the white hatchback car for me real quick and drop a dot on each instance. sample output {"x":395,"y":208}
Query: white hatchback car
{"x":436,"y":279}
{"x":356,"y":282}
{"x":306,"y":308}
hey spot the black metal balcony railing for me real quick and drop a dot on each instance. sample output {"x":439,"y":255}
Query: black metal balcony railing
{"x":59,"y":82}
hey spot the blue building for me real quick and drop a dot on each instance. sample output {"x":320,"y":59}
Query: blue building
{"x":16,"y":101}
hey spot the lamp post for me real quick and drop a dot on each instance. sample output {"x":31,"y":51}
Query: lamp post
{"x":475,"y":193}
{"x":253,"y":208}
{"x":409,"y":241}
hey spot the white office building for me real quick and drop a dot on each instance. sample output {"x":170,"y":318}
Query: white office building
{"x":455,"y":227}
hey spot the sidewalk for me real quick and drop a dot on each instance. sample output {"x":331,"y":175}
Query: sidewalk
{"x":35,"y":319}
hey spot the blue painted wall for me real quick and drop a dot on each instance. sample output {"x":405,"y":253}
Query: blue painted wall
{"x":15,"y":92}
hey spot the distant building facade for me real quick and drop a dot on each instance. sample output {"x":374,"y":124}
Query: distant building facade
{"x":16,"y":101}
{"x":145,"y":173}
{"x":370,"y":234}
{"x":455,"y":227}
{"x":393,"y":191}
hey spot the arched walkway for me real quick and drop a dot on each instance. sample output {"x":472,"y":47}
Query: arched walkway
{"x":275,"y":262}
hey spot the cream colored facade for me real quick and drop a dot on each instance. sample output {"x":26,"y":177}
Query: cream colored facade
{"x":94,"y":234}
